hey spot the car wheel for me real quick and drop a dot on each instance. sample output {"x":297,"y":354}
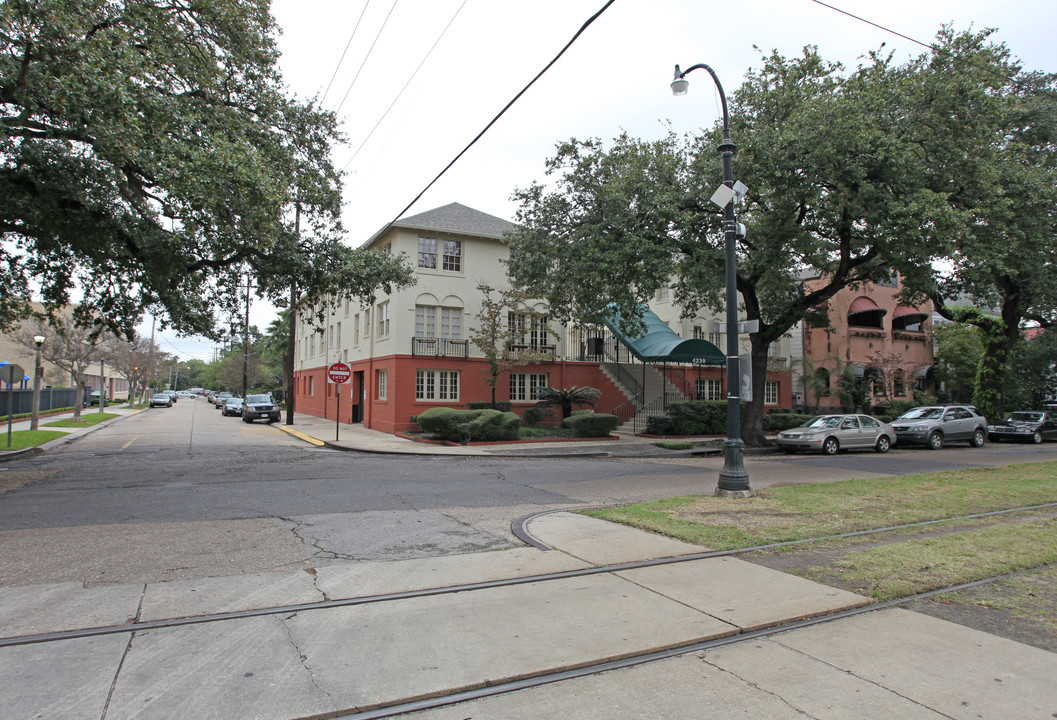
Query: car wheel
{"x":830,"y":446}
{"x":883,"y":443}
{"x":1037,"y":437}
{"x":246,"y":420}
{"x":936,"y":440}
{"x":978,"y":438}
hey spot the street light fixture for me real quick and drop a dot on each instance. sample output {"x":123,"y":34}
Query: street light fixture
{"x":733,"y":478}
{"x":38,"y":370}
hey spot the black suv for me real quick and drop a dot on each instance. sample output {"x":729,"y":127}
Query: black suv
{"x":260,"y":407}
{"x":935,"y":425}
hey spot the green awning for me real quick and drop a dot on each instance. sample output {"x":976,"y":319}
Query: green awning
{"x":662,"y":344}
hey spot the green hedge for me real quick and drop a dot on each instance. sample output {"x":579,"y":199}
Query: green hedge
{"x":500,"y":405}
{"x":592,"y":425}
{"x":469,"y":425}
{"x":694,"y":417}
{"x":709,"y":417}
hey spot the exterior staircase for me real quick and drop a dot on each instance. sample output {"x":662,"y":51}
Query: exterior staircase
{"x":657,"y":390}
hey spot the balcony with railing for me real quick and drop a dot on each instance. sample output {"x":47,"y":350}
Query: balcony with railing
{"x":549,"y":352}
{"x":440,"y":347}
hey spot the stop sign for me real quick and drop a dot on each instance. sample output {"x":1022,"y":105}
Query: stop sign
{"x":339,"y":373}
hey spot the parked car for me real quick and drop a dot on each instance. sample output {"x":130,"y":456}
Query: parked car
{"x":260,"y":407}
{"x":1028,"y":426}
{"x":184,"y":395}
{"x":171,"y":394}
{"x":231,"y":406}
{"x":219,"y":398}
{"x":935,"y":425}
{"x":829,"y":434}
{"x":160,"y":400}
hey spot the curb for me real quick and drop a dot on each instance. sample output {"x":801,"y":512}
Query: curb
{"x":301,"y":436}
{"x":58,"y":442}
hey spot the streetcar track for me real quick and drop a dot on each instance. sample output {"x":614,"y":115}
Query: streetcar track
{"x":145,"y":625}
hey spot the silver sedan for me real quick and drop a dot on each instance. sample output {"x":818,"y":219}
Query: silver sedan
{"x":830,"y":434}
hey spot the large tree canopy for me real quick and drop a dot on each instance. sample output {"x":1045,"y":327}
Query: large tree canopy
{"x":832,"y":192}
{"x":988,"y":135}
{"x":147,"y":148}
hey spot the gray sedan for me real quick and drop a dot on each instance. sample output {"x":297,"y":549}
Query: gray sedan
{"x":829,"y":434}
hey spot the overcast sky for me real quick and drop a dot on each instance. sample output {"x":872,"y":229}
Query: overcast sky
{"x":421,"y":78}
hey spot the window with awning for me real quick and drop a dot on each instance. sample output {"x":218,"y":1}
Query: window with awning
{"x":908,"y":318}
{"x":865,"y":313}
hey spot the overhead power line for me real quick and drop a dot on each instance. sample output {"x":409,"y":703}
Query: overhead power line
{"x":400,"y":94}
{"x":500,"y":114}
{"x":367,"y":56}
{"x":345,"y":51}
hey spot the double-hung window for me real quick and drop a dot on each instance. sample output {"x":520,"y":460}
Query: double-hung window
{"x":770,"y":392}
{"x":382,"y":316}
{"x":450,"y":252}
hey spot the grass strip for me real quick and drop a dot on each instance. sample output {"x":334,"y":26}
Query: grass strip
{"x":895,"y":570}
{"x":797,"y":512}
{"x":21,"y":439}
{"x":87,"y":420}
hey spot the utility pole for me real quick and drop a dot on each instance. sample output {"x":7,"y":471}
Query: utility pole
{"x":246,"y":339}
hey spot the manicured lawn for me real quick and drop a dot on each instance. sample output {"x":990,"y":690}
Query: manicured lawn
{"x":803,"y":511}
{"x":21,"y":439}
{"x":87,"y":419}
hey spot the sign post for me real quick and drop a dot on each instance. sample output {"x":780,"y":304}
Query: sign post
{"x":8,"y":373}
{"x":339,"y":373}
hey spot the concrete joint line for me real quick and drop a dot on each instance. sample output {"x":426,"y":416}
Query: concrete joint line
{"x":688,"y":606}
{"x":758,"y":687}
{"x":117,"y":675}
{"x":860,"y":678}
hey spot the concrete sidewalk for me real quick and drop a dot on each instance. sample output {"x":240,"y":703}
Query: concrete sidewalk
{"x":330,"y":661}
{"x":344,"y":436}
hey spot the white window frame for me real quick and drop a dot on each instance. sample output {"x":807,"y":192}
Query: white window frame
{"x":525,"y":387}
{"x":770,"y":392}
{"x":710,"y":388}
{"x":382,"y":317}
{"x":383,"y":384}
{"x":437,"y":385}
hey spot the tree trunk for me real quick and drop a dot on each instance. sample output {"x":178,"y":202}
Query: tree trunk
{"x":752,"y":420}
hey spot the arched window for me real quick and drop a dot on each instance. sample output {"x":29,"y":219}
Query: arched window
{"x":864,"y":313}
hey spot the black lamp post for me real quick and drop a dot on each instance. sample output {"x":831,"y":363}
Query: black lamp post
{"x":733,"y":478}
{"x":38,"y":371}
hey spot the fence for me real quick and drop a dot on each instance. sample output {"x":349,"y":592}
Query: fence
{"x":50,"y":398}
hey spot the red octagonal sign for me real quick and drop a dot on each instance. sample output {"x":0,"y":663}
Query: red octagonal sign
{"x":339,"y":373}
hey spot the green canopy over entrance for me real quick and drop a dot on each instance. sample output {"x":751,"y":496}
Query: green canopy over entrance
{"x":662,"y":344}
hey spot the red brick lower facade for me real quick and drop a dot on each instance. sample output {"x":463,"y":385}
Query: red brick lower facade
{"x":384,"y":393}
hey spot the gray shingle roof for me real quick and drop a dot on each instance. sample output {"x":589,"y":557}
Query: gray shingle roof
{"x":454,"y":218}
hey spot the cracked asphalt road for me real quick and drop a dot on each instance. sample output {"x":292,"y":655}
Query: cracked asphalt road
{"x":181,"y":493}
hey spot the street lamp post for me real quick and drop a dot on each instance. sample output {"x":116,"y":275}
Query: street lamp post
{"x":733,"y":478}
{"x":38,"y":370}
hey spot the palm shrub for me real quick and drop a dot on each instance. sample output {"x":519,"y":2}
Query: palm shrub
{"x":566,"y":398}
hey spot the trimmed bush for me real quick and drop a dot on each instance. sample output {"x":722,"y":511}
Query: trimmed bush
{"x":709,"y":417}
{"x":469,"y":425}
{"x":695,"y":417}
{"x":500,"y":405}
{"x":783,"y":421}
{"x":592,"y":425}
{"x":493,"y":426}
{"x":534,"y":416}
